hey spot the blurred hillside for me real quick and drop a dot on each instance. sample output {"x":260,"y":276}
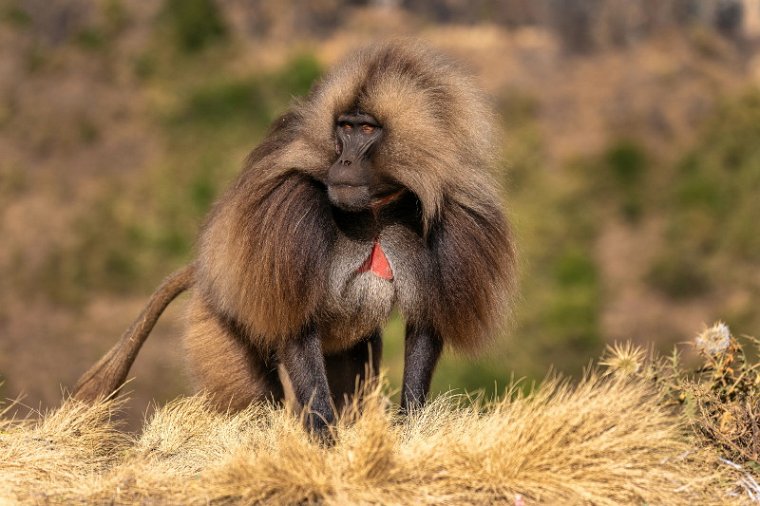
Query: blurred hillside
{"x":631,"y":164}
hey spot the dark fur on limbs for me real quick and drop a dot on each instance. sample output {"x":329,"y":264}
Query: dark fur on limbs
{"x":302,"y":357}
{"x":422,"y":350}
{"x":327,"y":383}
{"x":347,"y":370}
{"x":394,"y":150}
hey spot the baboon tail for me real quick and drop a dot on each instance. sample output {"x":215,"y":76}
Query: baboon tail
{"x":105,"y":378}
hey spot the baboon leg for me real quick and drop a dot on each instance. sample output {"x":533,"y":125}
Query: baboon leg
{"x":422,"y":349}
{"x":222,"y":361}
{"x":347,"y":370}
{"x":304,"y":364}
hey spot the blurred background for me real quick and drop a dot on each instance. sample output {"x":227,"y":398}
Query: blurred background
{"x":631,"y":165}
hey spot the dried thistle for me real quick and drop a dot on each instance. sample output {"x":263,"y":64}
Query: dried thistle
{"x":725,"y":395}
{"x":624,"y":359}
{"x":714,"y":340}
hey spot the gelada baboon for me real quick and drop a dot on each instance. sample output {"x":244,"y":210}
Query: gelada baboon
{"x":372,"y":192}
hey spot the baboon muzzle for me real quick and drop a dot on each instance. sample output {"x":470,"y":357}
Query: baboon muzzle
{"x":348,"y":196}
{"x":349,"y":178}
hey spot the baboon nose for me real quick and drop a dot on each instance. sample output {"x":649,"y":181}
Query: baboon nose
{"x":345,"y":162}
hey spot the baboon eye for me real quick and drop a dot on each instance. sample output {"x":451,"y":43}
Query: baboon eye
{"x":367,"y":128}
{"x":347,"y":127}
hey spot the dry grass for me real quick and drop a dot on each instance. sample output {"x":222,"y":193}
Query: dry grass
{"x":603,"y":441}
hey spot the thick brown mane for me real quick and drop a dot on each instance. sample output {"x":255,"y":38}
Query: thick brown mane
{"x":437,"y":144}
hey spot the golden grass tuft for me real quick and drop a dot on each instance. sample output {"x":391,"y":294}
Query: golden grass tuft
{"x":51,"y":457}
{"x":603,"y":441}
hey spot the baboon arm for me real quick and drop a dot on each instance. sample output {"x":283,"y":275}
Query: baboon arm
{"x":304,"y":363}
{"x":106,"y":377}
{"x":422,"y":349}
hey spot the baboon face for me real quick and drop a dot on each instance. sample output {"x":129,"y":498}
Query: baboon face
{"x":353,"y":183}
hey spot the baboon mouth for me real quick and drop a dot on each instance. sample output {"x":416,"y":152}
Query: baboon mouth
{"x":349,"y":197}
{"x":358,"y":197}
{"x":386,"y":198}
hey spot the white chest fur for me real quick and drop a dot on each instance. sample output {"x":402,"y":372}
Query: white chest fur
{"x":360,"y":300}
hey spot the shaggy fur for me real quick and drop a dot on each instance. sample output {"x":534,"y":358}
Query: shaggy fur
{"x":278,"y":264}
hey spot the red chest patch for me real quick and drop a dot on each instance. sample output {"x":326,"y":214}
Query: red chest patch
{"x":377,"y":263}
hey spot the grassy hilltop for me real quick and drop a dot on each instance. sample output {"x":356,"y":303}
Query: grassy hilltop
{"x":640,"y":430}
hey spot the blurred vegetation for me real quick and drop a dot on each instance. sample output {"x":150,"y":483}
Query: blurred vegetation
{"x":560,"y":292}
{"x":627,"y":163}
{"x":195,"y":24}
{"x":14,"y":15}
{"x":711,"y":235}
